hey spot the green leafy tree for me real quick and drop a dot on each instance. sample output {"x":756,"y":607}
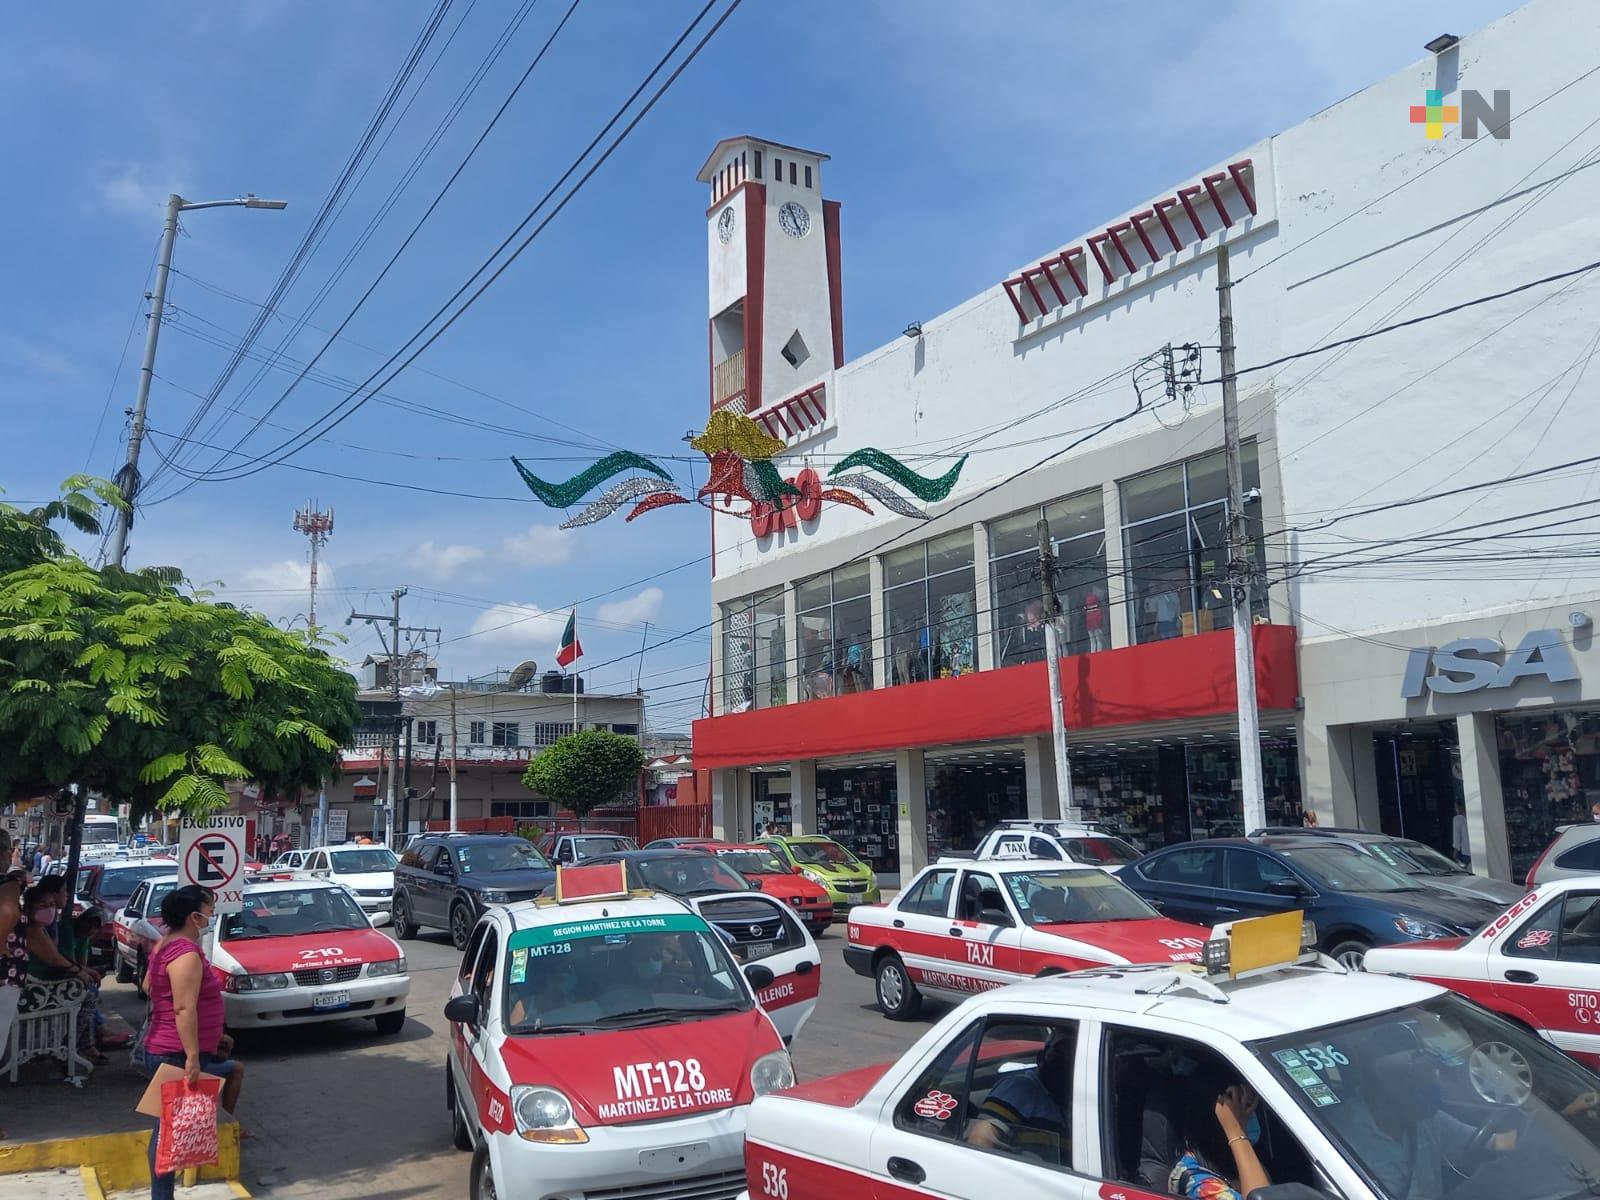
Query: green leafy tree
{"x":126,"y":684}
{"x":586,"y":770}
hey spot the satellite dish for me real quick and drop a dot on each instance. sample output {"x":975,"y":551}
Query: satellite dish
{"x":522,"y":674}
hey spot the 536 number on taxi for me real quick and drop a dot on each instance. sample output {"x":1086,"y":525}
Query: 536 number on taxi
{"x":775,"y":1181}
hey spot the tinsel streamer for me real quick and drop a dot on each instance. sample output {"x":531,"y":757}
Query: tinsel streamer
{"x":614,"y":497}
{"x":726,"y":477}
{"x":883,"y":493}
{"x":734,"y":431}
{"x":840,"y":496}
{"x":921,"y":486}
{"x":565,"y":495}
{"x":772,"y":486}
{"x":659,"y":500}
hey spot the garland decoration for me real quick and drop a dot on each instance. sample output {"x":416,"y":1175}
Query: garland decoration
{"x":883,"y":493}
{"x":657,"y":500}
{"x":565,"y":495}
{"x":922,"y":487}
{"x":615,"y":496}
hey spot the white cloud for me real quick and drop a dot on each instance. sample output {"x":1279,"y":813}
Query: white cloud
{"x":523,"y":628}
{"x":541,"y":546}
{"x":141,"y":190}
{"x":444,"y":560}
{"x":643,"y":607}
{"x":34,"y":358}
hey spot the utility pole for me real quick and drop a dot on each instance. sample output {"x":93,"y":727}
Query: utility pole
{"x":1052,"y":654}
{"x":391,"y":646}
{"x":1244,"y":652}
{"x":452,"y":758}
{"x":128,"y":477}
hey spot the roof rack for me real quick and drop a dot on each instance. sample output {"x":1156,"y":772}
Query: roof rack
{"x":1049,"y":824}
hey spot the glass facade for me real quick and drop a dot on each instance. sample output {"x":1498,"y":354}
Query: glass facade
{"x":1077,"y":531}
{"x":835,"y":617}
{"x":930,"y":617}
{"x":1549,"y":776}
{"x":1174,"y":535}
{"x":754,"y":652}
{"x":1418,"y":769}
{"x":857,"y":808}
{"x":970,"y":795}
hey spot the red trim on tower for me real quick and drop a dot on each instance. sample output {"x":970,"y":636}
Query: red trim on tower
{"x":1237,"y":170}
{"x":1161,"y":207}
{"x":1149,"y":246}
{"x":755,"y":258}
{"x":1077,"y":279}
{"x":830,"y":234}
{"x":1194,"y":219}
{"x":1211,"y":182}
{"x":1022,"y":313}
{"x":1181,"y":678}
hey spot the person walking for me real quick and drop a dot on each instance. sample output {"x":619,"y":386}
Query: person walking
{"x":186,"y":1010}
{"x":1460,"y":841}
{"x":13,"y":950}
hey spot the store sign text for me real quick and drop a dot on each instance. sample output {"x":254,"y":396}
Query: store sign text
{"x":767,"y":519}
{"x":1471,"y":664}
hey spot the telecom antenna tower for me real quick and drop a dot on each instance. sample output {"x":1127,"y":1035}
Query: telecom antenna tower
{"x":318,"y":526}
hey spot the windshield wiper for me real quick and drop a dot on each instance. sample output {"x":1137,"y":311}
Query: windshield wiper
{"x":553,"y":1029}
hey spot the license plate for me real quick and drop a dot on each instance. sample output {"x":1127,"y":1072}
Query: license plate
{"x":854,"y":899}
{"x":331,"y":1000}
{"x":675,"y":1158}
{"x":759,"y":950}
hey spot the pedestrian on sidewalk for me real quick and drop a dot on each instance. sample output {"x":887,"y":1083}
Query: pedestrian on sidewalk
{"x":54,"y":979}
{"x":13,"y":954}
{"x":186,"y":1010}
{"x":1460,"y":842}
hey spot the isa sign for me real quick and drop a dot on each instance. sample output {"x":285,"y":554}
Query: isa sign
{"x":211,"y":853}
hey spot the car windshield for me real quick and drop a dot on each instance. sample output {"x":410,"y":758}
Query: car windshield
{"x":1344,"y":870}
{"x":827,"y":854}
{"x":1057,"y":897}
{"x":362,"y":862}
{"x":279,"y":913}
{"x":1425,"y":860}
{"x":158,"y":893}
{"x":512,"y":854}
{"x":119,"y":883}
{"x":1444,"y":1099}
{"x":1101,"y":851}
{"x":618,"y":973}
{"x":688,"y":874}
{"x":100,"y":834}
{"x":592,"y":847}
{"x":753,"y":862}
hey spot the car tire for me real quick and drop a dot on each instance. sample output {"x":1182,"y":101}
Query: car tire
{"x":1350,"y":953}
{"x":897,"y":995}
{"x":460,"y":1131}
{"x":482,"y":1187}
{"x":391,"y":1022}
{"x":400,"y":917}
{"x":460,"y":925}
{"x":124,"y":971}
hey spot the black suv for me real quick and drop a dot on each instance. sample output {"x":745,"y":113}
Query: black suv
{"x":446,"y":880}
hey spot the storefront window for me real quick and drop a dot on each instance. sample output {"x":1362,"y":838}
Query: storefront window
{"x":1549,"y":776}
{"x":1175,"y":525}
{"x":754,"y":652}
{"x":835,"y":614}
{"x":930,"y":615}
{"x":1077,"y":530}
{"x":770,"y":810}
{"x":1418,"y":768}
{"x":856,"y":807}
{"x":969,"y":796}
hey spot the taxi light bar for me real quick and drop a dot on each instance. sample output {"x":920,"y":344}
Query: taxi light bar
{"x":598,"y":881}
{"x":1260,"y":944}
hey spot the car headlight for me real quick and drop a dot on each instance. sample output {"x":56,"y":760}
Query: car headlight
{"x":1425,"y":930}
{"x":491,"y":896}
{"x":260,"y":983}
{"x":814,"y":876}
{"x":771,"y":1073}
{"x":395,"y":966}
{"x":545,"y":1115}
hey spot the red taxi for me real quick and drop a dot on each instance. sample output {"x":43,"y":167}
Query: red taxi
{"x":762,"y":870}
{"x":960,"y":929}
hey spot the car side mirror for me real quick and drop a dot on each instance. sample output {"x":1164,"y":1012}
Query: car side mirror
{"x":462,"y":1010}
{"x":1285,"y":887}
{"x":756,"y":884}
{"x":129,"y":913}
{"x":442,"y":868}
{"x":994,"y":916}
{"x":759,"y":976}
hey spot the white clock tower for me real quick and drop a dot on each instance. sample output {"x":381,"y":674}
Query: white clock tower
{"x":776,"y":322}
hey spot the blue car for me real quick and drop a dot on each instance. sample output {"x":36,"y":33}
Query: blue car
{"x":1356,"y":901}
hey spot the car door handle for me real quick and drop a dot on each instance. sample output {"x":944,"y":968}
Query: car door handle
{"x":954,"y":932}
{"x":1522,"y":977}
{"x":906,"y":1170}
{"x":804,"y":966}
{"x":1226,"y":909}
{"x":899,"y":924}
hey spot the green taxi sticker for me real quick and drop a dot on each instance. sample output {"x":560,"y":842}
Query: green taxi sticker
{"x":1321,"y":1095}
{"x":519,"y":965}
{"x":553,"y":935}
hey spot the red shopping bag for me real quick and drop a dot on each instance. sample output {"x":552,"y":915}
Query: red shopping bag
{"x":188,"y":1133}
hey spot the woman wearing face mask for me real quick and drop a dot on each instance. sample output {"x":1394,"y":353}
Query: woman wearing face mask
{"x":1220,"y":1129}
{"x":54,"y":979}
{"x":186,"y":1009}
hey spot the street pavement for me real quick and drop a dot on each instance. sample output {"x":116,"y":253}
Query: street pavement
{"x":335,"y":1111}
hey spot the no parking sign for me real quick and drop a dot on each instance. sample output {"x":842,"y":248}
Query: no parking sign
{"x":211,"y":853}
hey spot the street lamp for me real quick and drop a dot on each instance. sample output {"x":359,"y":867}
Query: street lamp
{"x":128,"y":477}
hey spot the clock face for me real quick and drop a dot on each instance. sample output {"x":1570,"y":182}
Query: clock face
{"x":725,"y":225}
{"x":794,"y":220}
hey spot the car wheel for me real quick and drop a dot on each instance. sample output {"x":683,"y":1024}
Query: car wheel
{"x":460,"y":1131}
{"x":1350,"y":954}
{"x":400,"y":917}
{"x":897,"y":995}
{"x":390,"y":1022}
{"x":460,"y":925}
{"x":124,"y":971}
{"x":482,"y":1175}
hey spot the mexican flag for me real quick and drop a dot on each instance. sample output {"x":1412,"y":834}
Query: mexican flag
{"x":571,"y":648}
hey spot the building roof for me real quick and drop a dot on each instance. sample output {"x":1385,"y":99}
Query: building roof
{"x":716,"y":152}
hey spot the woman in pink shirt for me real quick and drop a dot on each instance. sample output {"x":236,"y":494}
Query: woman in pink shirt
{"x":186,"y":1009}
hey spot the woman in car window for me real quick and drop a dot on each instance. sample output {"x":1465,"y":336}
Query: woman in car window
{"x":1220,"y":1129}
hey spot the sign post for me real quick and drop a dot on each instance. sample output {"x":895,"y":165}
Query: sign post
{"x":16,"y":824}
{"x":212,"y":853}
{"x":338,"y":826}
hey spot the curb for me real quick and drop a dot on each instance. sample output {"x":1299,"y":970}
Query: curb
{"x":112,"y":1162}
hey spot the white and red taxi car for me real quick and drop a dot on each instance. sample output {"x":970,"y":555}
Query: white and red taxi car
{"x":962,"y":928}
{"x":1082,"y":1086}
{"x":302,"y":951}
{"x":1537,"y":963}
{"x":136,"y":927}
{"x":606,"y":1043}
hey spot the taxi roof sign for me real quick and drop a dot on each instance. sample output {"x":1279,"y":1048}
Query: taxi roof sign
{"x":598,"y":881}
{"x":1259,"y":944}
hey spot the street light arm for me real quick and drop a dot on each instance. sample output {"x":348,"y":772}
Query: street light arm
{"x":249,"y":200}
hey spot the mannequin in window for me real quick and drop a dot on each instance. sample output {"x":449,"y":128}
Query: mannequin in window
{"x":1025,"y":639}
{"x":1162,"y":605}
{"x":1094,"y":620}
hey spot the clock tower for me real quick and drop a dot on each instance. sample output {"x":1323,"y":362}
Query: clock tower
{"x":776,"y":322}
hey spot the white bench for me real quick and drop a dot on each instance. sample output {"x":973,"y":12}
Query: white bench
{"x":47,"y":1033}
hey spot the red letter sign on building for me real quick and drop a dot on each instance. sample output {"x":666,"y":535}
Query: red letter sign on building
{"x":767,"y":519}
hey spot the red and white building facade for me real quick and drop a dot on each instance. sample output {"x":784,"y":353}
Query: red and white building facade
{"x":880,"y":678}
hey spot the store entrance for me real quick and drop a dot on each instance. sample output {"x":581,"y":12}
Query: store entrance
{"x":1418,"y":765}
{"x":971,"y":789}
{"x":857,"y":808}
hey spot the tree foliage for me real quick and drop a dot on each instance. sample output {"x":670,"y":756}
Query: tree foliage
{"x":585,"y":770}
{"x":126,"y":683}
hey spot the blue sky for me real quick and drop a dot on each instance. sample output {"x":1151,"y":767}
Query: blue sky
{"x":966,"y":138}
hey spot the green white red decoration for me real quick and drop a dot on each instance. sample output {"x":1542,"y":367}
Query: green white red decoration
{"x":571,"y":649}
